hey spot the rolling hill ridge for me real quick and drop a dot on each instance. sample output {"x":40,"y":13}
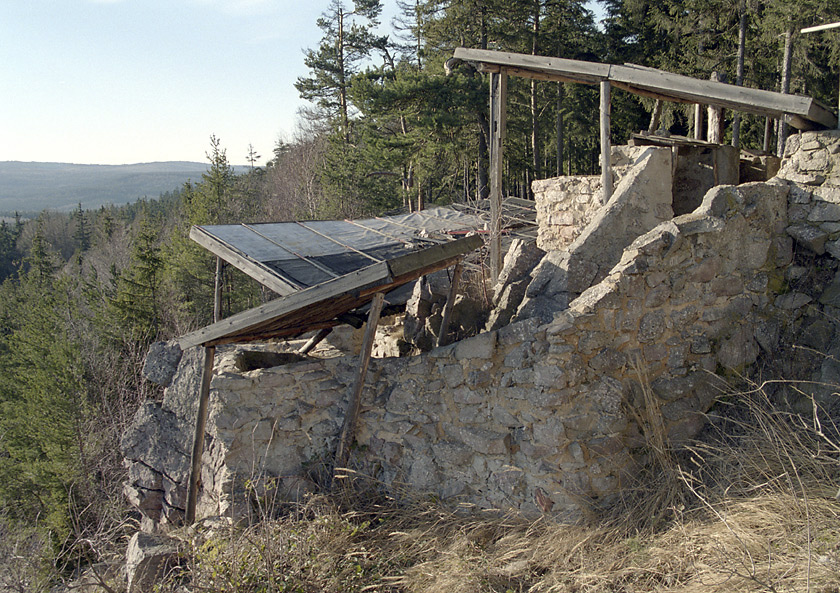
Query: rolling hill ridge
{"x":29,"y":187}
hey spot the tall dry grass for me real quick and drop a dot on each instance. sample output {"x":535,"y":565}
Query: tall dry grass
{"x":750,"y":507}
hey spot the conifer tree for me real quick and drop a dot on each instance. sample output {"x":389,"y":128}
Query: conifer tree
{"x":348,"y":40}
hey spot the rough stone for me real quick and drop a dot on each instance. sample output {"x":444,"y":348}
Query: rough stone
{"x":148,"y":558}
{"x":162,"y":362}
{"x":545,"y":402}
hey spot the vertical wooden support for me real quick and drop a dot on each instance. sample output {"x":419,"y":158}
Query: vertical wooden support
{"x":498,"y":122}
{"x":217,"y":292}
{"x":768,"y":132}
{"x":606,"y":168}
{"x":198,"y":437}
{"x":655,"y":117}
{"x":715,"y":127}
{"x":698,"y":121}
{"x":342,"y":454}
{"x":450,"y":302}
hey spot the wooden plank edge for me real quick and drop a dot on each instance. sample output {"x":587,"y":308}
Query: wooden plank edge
{"x":371,"y":275}
{"x":405,"y":264}
{"x":253,"y":268}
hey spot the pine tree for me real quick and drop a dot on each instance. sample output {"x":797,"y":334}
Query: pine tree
{"x":348,"y":40}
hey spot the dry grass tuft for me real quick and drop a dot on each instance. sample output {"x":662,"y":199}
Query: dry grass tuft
{"x":750,"y":508}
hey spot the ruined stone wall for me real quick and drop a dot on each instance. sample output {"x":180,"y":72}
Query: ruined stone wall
{"x":641,"y":200}
{"x":566,"y":205}
{"x":537,"y":416}
{"x":812,"y":162}
{"x":533,"y":417}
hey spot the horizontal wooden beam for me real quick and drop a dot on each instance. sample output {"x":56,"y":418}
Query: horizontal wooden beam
{"x":804,"y":112}
{"x":404,"y":264}
{"x":591,"y":72}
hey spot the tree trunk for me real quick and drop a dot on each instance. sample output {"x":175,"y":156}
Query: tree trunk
{"x":715,"y":130}
{"x":655,"y":117}
{"x":560,"y":130}
{"x":739,"y":76}
{"x":483,"y":189}
{"x":342,"y":80}
{"x":783,"y":131}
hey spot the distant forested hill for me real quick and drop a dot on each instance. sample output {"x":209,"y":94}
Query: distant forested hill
{"x":32,"y":187}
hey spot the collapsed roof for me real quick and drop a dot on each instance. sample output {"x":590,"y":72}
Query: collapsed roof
{"x":324,"y":269}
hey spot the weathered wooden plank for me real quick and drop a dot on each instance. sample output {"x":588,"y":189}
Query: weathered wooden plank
{"x":498,"y":124}
{"x":198,"y":436}
{"x":450,"y":303}
{"x":413,"y":261}
{"x":592,"y":72}
{"x":654,"y":83}
{"x":256,"y":270}
{"x":698,"y":122}
{"x":374,"y":274}
{"x":314,"y":341}
{"x":351,"y":416}
{"x":533,"y":74}
{"x":648,"y":93}
{"x":676,"y":86}
{"x":314,"y":307}
{"x":606,"y":168}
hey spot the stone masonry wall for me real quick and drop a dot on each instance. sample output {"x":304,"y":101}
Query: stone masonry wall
{"x":532,"y":417}
{"x":641,"y":200}
{"x":566,"y":205}
{"x":537,"y":416}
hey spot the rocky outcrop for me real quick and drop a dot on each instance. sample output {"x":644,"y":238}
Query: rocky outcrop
{"x":148,"y":558}
{"x":513,"y":280}
{"x":157,"y":448}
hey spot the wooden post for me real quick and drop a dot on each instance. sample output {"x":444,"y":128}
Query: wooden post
{"x":198,"y":437}
{"x":314,"y":340}
{"x":498,"y":121}
{"x":783,"y":127}
{"x":768,"y":132}
{"x":217,"y":292}
{"x":698,"y":121}
{"x":342,"y":454}
{"x":450,"y":302}
{"x":606,"y":168}
{"x":655,"y":117}
{"x":715,"y":131}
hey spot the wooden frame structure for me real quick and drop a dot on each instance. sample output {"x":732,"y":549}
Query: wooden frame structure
{"x":801,"y":112}
{"x":304,"y":306}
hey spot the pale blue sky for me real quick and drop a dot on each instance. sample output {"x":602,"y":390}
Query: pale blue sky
{"x":131,"y":81}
